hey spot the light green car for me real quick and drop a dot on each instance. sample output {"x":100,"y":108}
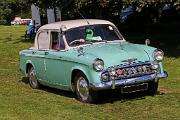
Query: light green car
{"x":86,"y":56}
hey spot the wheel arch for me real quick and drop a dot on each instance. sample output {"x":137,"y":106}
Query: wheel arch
{"x":73,"y":74}
{"x":28,"y":65}
{"x":89,"y":96}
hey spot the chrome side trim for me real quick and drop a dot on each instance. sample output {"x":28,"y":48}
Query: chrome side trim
{"x":130,"y":81}
{"x":38,"y":56}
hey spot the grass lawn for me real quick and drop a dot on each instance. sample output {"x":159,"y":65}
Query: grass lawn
{"x":18,"y":101}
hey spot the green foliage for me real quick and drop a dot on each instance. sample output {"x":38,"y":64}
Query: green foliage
{"x":7,"y":13}
{"x":104,"y":9}
{"x":154,"y":3}
{"x":10,"y":8}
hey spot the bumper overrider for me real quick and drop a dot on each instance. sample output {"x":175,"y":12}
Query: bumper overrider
{"x":124,"y":82}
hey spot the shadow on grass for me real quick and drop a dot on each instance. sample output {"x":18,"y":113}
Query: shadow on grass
{"x":107,"y":96}
{"x":52,"y":90}
{"x":6,"y":39}
{"x":59,"y":92}
{"x":112,"y":96}
{"x":26,"y":40}
{"x":22,"y":39}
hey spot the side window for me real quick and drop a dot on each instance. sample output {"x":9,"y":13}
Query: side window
{"x":57,"y":42}
{"x":43,"y":42}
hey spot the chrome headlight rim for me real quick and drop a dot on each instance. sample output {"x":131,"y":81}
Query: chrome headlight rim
{"x":158,"y":55}
{"x":98,"y":65}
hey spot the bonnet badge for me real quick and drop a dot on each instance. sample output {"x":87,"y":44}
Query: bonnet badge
{"x":130,"y":60}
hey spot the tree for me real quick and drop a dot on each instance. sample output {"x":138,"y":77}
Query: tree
{"x":10,"y":8}
{"x":104,"y":9}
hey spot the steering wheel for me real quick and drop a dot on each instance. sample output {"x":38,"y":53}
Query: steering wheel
{"x":79,"y":41}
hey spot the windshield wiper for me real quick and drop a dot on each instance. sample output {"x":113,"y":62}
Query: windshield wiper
{"x":104,"y":41}
{"x":95,"y":41}
{"x":99,"y":41}
{"x":88,"y":42}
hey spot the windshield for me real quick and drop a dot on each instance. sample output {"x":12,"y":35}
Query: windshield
{"x":91,"y":34}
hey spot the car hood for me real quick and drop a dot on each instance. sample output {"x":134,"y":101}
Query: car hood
{"x":117,"y":53}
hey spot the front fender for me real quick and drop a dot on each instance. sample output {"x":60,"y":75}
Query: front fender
{"x":91,"y":75}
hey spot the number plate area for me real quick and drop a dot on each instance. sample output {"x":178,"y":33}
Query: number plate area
{"x":134,"y":88}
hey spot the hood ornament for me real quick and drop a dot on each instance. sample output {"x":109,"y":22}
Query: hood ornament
{"x":80,"y":51}
{"x":130,"y":60}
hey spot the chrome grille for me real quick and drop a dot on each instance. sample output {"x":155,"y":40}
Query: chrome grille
{"x":129,"y":71}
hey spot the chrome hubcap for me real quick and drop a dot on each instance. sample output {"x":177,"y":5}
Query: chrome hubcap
{"x":82,"y":87}
{"x":32,"y":77}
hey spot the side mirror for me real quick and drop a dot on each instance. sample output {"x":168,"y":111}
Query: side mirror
{"x":147,"y":42}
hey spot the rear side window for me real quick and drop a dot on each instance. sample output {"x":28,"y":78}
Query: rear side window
{"x":43,"y":42}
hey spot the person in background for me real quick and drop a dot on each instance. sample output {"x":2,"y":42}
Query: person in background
{"x":30,"y":31}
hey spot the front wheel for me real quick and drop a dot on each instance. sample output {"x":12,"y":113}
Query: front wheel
{"x":83,"y":92}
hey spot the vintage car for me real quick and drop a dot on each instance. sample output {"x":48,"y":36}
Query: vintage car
{"x":89,"y":55}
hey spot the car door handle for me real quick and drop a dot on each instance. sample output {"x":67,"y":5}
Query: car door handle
{"x":46,"y":53}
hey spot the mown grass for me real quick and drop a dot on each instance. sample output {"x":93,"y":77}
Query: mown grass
{"x":18,"y":101}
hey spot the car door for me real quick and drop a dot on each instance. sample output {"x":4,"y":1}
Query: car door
{"x":39,"y":55}
{"x":55,"y":70}
{"x":39,"y":63}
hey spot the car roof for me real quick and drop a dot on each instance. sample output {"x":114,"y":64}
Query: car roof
{"x":68,"y":25}
{"x":74,"y":23}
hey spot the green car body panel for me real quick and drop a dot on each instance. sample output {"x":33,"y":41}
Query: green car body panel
{"x":54,"y":68}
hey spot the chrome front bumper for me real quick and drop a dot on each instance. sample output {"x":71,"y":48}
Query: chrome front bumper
{"x":124,"y":82}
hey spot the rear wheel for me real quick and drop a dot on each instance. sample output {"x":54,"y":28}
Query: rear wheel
{"x":153,"y":87}
{"x":33,"y":82}
{"x":83,"y":92}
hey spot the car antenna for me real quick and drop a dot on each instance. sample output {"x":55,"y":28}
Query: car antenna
{"x":82,"y":16}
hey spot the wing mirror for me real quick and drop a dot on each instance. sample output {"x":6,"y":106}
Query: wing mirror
{"x":147,"y":42}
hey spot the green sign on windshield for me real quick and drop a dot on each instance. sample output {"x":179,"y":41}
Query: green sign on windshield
{"x":89,"y":35}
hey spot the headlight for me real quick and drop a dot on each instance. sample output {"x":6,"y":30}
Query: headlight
{"x":98,"y":65}
{"x":158,"y":55}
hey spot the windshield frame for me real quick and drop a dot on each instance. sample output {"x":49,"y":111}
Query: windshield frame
{"x":118,"y":34}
